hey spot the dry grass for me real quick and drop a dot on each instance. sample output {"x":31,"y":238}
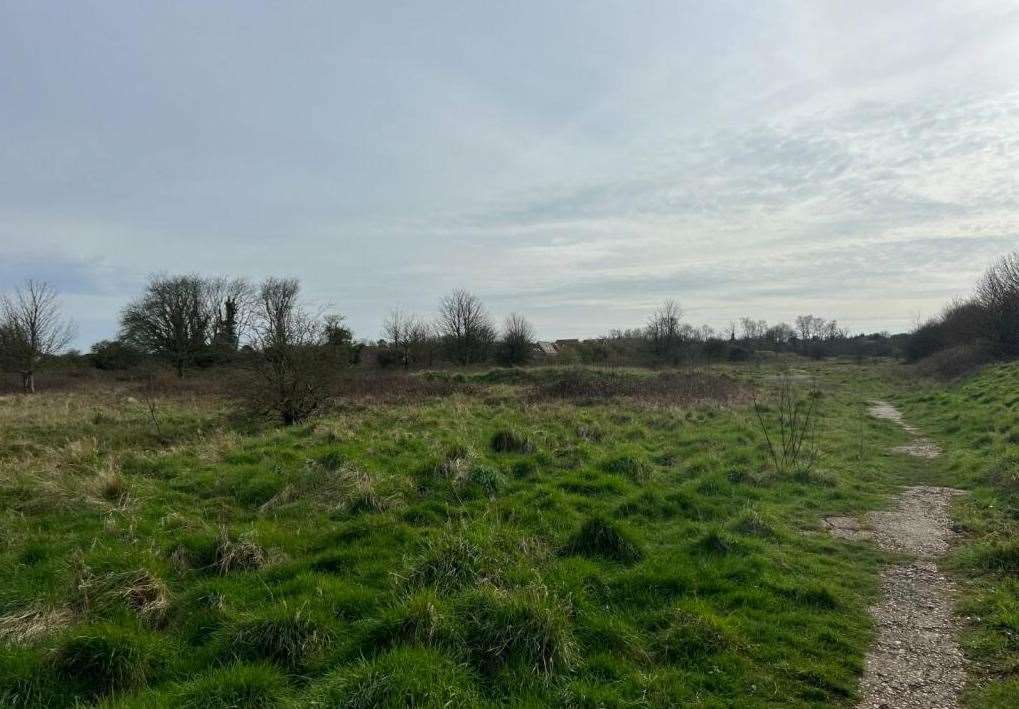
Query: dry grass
{"x":348,"y":489}
{"x":28,"y":626}
{"x":242,"y":554}
{"x":140,"y":590}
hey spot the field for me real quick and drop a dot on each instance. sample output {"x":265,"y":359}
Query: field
{"x":513,"y":537}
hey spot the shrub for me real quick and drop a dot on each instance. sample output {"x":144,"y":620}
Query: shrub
{"x":998,"y":296}
{"x":239,"y":685}
{"x":600,"y":538}
{"x":924,"y":341}
{"x":528,"y":626}
{"x":510,"y":441}
{"x":403,"y":677}
{"x":104,"y":658}
{"x":114,"y":355}
{"x":287,"y":637}
{"x":954,"y":361}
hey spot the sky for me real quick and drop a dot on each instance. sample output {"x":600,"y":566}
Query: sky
{"x":578,"y":162}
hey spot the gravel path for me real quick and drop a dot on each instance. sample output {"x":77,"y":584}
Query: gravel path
{"x":915,"y":662}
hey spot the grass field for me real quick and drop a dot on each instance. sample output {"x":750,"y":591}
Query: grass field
{"x":579,"y":538}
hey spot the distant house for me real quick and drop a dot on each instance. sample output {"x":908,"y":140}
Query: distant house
{"x":562,"y":345}
{"x":544,"y":348}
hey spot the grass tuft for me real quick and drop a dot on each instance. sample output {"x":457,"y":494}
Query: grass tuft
{"x":402,"y":677}
{"x":101,"y":659}
{"x":599,"y":537}
{"x":528,"y":627}
{"x":288,"y":637}
{"x":510,"y":441}
{"x":240,"y":685}
{"x":239,"y":554}
{"x":686,"y":636}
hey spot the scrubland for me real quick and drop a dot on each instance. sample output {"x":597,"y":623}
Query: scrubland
{"x":531,"y":537}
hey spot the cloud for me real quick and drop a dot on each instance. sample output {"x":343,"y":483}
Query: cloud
{"x":577,"y":165}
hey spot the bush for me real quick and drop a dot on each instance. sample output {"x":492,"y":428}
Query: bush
{"x":601,"y":538}
{"x":104,"y":658}
{"x":924,"y":341}
{"x":403,"y":677}
{"x":998,"y":296}
{"x":954,"y":361}
{"x":114,"y":355}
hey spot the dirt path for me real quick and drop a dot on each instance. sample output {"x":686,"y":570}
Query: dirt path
{"x":915,"y":661}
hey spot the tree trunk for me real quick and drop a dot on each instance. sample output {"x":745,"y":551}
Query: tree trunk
{"x":180,"y":367}
{"x":28,"y":382}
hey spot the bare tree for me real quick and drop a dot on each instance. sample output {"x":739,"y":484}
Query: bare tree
{"x":403,"y":332}
{"x":998,"y":296}
{"x":517,"y":340}
{"x":174,"y":319}
{"x":753,"y":329}
{"x":466,"y":327}
{"x":665,"y":331}
{"x":294,"y":364}
{"x":32,"y":328}
{"x":793,"y":441}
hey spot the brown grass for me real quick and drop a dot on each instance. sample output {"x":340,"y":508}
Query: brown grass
{"x":27,"y":626}
{"x":242,"y":554}
{"x":672,"y":388}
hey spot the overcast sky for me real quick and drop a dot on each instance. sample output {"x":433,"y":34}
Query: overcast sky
{"x":575,"y":161}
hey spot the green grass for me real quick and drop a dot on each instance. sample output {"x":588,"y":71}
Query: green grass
{"x":976,"y":419}
{"x":482,"y":548}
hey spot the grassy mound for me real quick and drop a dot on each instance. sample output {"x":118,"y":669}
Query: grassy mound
{"x":240,"y":685}
{"x":598,"y":537}
{"x":287,"y":637}
{"x":686,"y":636}
{"x":403,"y":677}
{"x":104,"y":658}
{"x":510,"y":441}
{"x":527,"y":628}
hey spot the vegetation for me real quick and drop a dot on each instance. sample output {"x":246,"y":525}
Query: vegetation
{"x":288,"y":524}
{"x":497,"y":537}
{"x":977,"y":421}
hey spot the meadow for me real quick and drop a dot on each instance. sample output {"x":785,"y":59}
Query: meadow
{"x":535,"y":537}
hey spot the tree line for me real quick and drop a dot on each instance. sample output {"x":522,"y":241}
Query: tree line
{"x":290,"y":349}
{"x":981,"y":327}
